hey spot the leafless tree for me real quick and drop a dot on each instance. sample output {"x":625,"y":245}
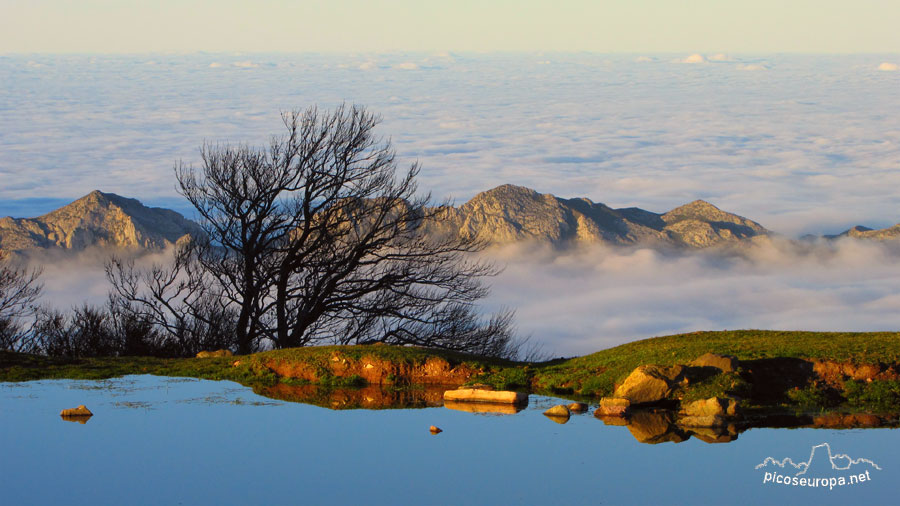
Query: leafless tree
{"x":19,"y":290}
{"x":316,"y":239}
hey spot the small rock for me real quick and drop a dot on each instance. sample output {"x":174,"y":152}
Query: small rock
{"x":713,"y":406}
{"x":79,"y":411}
{"x":558,"y":410}
{"x":613,"y":406}
{"x":578,"y":407}
{"x":725,"y":363}
{"x":434,"y":429}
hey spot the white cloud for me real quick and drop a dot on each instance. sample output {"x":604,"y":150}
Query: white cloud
{"x":215,"y":65}
{"x":246,"y":64}
{"x":888,"y":67}
{"x":369,"y":65}
{"x":720,"y":57}
{"x":644,"y":59}
{"x":694,"y":58}
{"x":582,"y":301}
{"x":753,"y":67}
{"x":405,"y":66}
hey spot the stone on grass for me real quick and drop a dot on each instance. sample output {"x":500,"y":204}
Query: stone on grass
{"x":725,"y":363}
{"x":648,"y":383}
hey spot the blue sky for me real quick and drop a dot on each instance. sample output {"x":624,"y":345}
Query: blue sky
{"x":745,"y":26}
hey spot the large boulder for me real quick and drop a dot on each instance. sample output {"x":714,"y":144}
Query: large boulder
{"x":725,"y":363}
{"x":648,"y":383}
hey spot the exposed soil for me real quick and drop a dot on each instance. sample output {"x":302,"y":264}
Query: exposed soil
{"x":377,"y":371}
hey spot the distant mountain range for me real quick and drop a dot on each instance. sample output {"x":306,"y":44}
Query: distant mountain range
{"x":506,"y":214}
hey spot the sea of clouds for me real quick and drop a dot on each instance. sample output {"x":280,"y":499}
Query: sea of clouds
{"x":802,"y":144}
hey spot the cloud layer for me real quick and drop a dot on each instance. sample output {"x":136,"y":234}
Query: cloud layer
{"x":583,"y":301}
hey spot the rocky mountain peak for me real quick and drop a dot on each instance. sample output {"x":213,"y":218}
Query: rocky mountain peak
{"x":97,"y":219}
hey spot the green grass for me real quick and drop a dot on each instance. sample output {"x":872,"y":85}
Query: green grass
{"x":597,"y":373}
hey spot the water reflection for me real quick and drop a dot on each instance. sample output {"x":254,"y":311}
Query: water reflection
{"x":661,"y":426}
{"x":485,"y":407}
{"x":206,"y":441}
{"x":370,"y":397}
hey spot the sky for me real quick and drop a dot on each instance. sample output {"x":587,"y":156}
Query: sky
{"x":734,"y":26}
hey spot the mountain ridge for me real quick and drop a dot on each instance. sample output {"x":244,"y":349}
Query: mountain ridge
{"x":502,"y":215}
{"x":97,"y":219}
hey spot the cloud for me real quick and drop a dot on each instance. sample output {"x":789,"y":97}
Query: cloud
{"x":246,"y":64}
{"x":888,"y":67}
{"x":369,"y":65}
{"x":752,"y":67}
{"x":694,"y":58}
{"x":582,"y":301}
{"x":405,"y":66}
{"x":720,"y":57}
{"x":215,"y":65}
{"x":644,"y":59}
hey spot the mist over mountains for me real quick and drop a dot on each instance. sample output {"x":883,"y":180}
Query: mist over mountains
{"x":504,"y":215}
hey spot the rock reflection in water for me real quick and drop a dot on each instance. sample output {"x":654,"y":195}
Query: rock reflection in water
{"x":654,"y":427}
{"x":485,"y":407}
{"x":82,"y":419}
{"x":661,"y":426}
{"x":369,"y":397}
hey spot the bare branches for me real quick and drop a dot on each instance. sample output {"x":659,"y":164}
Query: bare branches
{"x":19,"y":290}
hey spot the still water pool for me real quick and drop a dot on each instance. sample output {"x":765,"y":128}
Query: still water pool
{"x":155,"y":440}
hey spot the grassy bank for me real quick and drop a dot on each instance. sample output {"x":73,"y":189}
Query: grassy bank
{"x":592,"y":375}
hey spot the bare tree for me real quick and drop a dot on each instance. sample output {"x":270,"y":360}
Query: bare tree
{"x":19,"y":290}
{"x":316,"y":239}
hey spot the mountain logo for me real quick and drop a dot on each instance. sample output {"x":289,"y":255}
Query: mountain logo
{"x":824,"y":468}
